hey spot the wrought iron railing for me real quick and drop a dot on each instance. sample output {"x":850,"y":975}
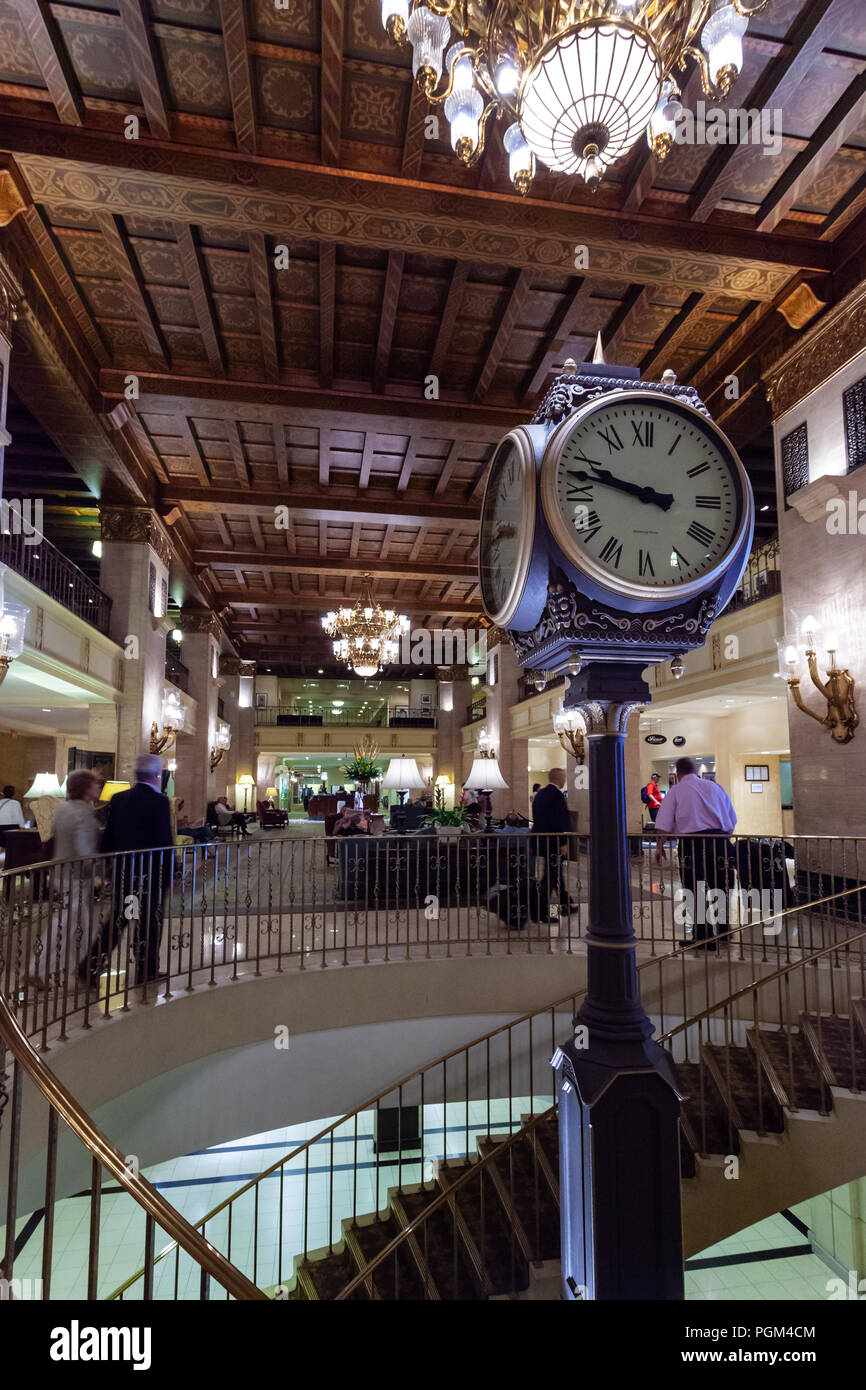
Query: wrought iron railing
{"x":79,"y":937}
{"x":43,"y":565}
{"x":477,"y":710}
{"x":403,"y":717}
{"x":528,"y":688}
{"x":20,"y":1108}
{"x":762,"y":577}
{"x":501,"y":1087}
{"x":176,"y":672}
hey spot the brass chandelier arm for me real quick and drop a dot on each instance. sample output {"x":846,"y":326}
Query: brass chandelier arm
{"x":812,"y":659}
{"x":482,"y":132}
{"x":700,"y":58}
{"x":216,"y":757}
{"x":746,"y":12}
{"x":801,"y":704}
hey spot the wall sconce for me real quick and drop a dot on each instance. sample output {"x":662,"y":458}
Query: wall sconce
{"x":485,"y":748}
{"x":569,"y":729}
{"x":12,"y":626}
{"x":223,"y":744}
{"x":838,"y":689}
{"x":173,"y":716}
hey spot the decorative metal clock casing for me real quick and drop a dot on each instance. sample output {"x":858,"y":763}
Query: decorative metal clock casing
{"x":636,"y":534}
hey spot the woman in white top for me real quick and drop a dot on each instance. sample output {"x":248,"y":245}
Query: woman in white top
{"x":77,"y":832}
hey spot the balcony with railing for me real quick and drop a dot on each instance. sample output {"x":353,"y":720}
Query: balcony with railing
{"x":401,"y":717}
{"x":177,"y":673}
{"x":42,"y":564}
{"x":476,"y":711}
{"x":762,"y":577}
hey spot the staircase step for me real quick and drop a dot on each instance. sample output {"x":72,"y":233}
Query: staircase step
{"x":441,"y":1243}
{"x":843,"y":1048}
{"x":739,"y":1067}
{"x":523,"y":1189}
{"x":790,"y":1057}
{"x":704,"y":1115}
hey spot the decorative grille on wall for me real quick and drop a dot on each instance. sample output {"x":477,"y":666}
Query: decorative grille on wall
{"x":854,"y":410}
{"x":151,"y":587}
{"x":795,"y":461}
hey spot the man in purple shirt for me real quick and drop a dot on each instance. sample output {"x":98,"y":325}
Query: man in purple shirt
{"x":700,"y":811}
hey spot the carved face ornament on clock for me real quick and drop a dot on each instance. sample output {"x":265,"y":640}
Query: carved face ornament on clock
{"x":644,"y":495}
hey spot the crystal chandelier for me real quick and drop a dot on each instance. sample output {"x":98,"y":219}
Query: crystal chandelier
{"x":576,"y":81}
{"x":368,"y":636}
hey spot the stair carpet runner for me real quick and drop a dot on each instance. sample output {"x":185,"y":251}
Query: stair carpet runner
{"x":506,"y":1217}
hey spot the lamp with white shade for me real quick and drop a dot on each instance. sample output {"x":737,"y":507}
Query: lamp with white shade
{"x":44,"y":784}
{"x":403,"y":774}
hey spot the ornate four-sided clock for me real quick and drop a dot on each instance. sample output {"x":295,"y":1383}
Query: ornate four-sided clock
{"x":614,"y":527}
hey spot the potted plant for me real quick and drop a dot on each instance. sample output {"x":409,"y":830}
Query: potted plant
{"x":361,"y":767}
{"x":447,"y":824}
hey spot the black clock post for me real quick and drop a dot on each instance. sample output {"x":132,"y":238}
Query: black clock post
{"x":597,"y":557}
{"x":618,"y":1097}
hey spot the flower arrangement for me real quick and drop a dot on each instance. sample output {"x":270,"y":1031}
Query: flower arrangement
{"x":362,"y":767}
{"x":440,"y":815}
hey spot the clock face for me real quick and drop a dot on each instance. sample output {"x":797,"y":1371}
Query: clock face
{"x":644,"y":494}
{"x":507,"y":524}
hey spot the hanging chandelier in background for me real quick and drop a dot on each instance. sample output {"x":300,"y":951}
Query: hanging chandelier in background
{"x":578,"y":81}
{"x":367,"y":635}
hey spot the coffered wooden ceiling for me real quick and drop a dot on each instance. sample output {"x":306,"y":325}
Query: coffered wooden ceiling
{"x":297,"y":126}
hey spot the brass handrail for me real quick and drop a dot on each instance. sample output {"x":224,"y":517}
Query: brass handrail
{"x":471,"y":1172}
{"x":757,"y":984}
{"x":547,"y":1010}
{"x":63,"y":1103}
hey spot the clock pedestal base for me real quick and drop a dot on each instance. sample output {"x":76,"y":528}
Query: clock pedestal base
{"x":618,"y":1096}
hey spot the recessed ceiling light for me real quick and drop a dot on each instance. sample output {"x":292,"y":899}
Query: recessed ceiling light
{"x":45,"y":711}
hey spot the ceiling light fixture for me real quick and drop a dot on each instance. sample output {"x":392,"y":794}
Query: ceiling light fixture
{"x":576,"y":81}
{"x":367,"y":635}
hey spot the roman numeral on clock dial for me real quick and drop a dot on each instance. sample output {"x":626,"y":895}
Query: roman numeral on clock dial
{"x":612,"y":551}
{"x":705,"y":501}
{"x":645,"y":564}
{"x":702,"y":534}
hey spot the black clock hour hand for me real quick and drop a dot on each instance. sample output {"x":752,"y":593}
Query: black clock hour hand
{"x":665,"y":500}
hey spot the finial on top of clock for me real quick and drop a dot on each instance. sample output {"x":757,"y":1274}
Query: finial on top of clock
{"x":569,"y":367}
{"x":598,"y":356}
{"x":669,"y":377}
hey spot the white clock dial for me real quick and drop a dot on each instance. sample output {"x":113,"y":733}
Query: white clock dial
{"x":507,"y":525}
{"x":645,"y":494}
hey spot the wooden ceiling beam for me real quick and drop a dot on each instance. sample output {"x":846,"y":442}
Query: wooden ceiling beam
{"x":448,"y":319}
{"x":196,"y":277}
{"x":680,"y":326}
{"x":319,"y":602}
{"x":444,"y":479}
{"x":565,"y":327}
{"x":408,"y":464}
{"x":146,"y":66}
{"x":220,"y":559}
{"x":235,"y":43}
{"x":414,"y":138}
{"x":324,"y":457}
{"x":49,"y":50}
{"x":327,"y":311}
{"x":507,"y":324}
{"x":281,"y":455}
{"x":313,"y":504}
{"x":354,"y":207}
{"x":239,"y":460}
{"x":331,"y":79}
{"x":807,"y":38}
{"x":122,"y":256}
{"x":807,"y":167}
{"x":261,"y":277}
{"x":194,"y":452}
{"x":367,"y":458}
{"x":614,"y":345}
{"x":388,"y":318}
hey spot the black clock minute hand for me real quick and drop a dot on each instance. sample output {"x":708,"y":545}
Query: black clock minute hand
{"x":665,"y":500}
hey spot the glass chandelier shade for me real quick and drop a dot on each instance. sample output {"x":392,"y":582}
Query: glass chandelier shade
{"x":13,"y":625}
{"x":428,"y":35}
{"x":464,"y":106}
{"x":722,"y":41}
{"x":367,"y":637}
{"x":588,"y":97}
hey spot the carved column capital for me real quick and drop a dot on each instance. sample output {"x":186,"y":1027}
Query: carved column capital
{"x":14,"y":197}
{"x":202,"y":620}
{"x":603,"y":717}
{"x":138,"y":524}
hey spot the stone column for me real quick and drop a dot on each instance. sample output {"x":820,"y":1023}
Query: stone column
{"x":194,"y":781}
{"x":237,"y":697}
{"x":502,"y":693}
{"x":136,"y":554}
{"x":455,"y":694}
{"x":8,"y":311}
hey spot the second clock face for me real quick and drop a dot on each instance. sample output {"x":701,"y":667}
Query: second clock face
{"x":647,"y":491}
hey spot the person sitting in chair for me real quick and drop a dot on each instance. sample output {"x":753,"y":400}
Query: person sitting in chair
{"x":226,"y":816}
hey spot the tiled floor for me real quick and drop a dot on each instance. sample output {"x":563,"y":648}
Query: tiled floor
{"x":344,"y":1177}
{"x":795,"y":1277}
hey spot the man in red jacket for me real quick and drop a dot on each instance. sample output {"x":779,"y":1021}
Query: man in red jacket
{"x":653,"y":796}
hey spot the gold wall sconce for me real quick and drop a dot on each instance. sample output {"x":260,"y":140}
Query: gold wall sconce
{"x":568,"y":727}
{"x":173,"y":715}
{"x":223,"y":744}
{"x":837,"y":689}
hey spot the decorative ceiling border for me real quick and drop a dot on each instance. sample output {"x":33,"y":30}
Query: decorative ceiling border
{"x":823,"y":350}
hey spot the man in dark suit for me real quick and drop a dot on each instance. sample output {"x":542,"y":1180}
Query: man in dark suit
{"x":551,"y":817}
{"x":140,"y":820}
